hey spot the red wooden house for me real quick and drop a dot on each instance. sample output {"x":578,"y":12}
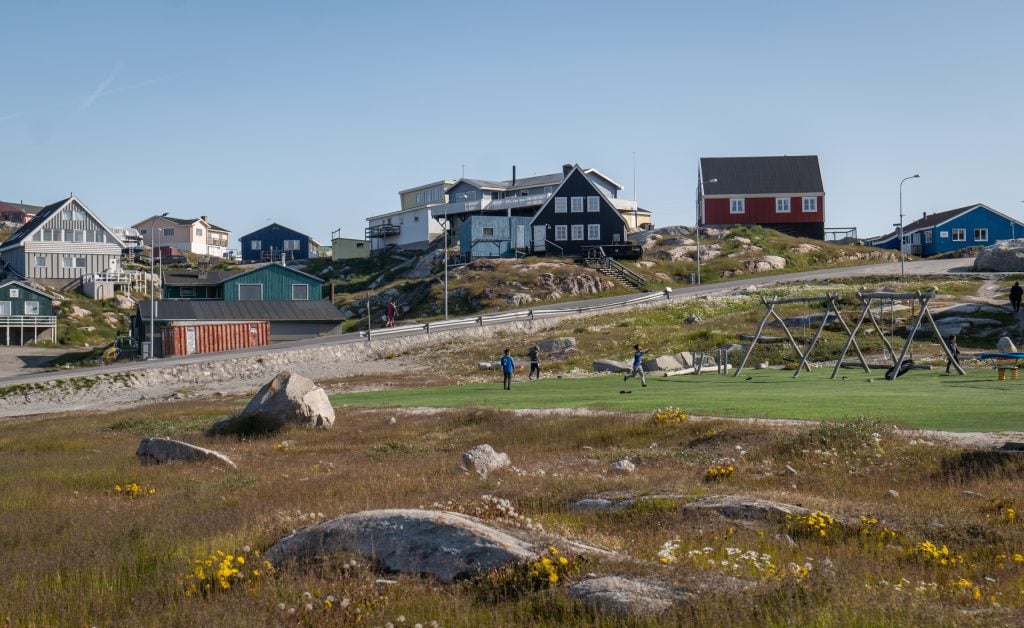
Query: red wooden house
{"x":781,"y":193}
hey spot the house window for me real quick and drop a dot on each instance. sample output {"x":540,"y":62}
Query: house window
{"x":66,"y":214}
{"x":78,"y":236}
{"x":188,"y":292}
{"x":593,"y":204}
{"x":981,"y":235}
{"x":199,"y":231}
{"x":615,"y":237}
{"x":577,"y":204}
{"x":810,"y":204}
{"x":489,"y":231}
{"x":14,"y":293}
{"x":143,"y":231}
{"x":168,"y":232}
{"x":291,"y":245}
{"x":78,"y":213}
{"x":255,"y":245}
{"x":593,"y":232}
{"x":79,"y":262}
{"x":548,"y":190}
{"x":782,"y":206}
{"x":40,"y":261}
{"x":31,"y":308}
{"x":959,"y":235}
{"x":561,"y":233}
{"x":927,"y":237}
{"x":300,"y":292}
{"x":67,"y":262}
{"x":736,"y":206}
{"x":250,"y":292}
{"x":943,"y":234}
{"x":577,"y":232}
{"x":560,"y":205}
{"x":5,"y":308}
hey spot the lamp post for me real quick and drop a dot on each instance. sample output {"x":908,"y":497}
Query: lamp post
{"x":913,"y":176}
{"x":152,"y":286}
{"x":445,"y":226}
{"x":700,"y":185}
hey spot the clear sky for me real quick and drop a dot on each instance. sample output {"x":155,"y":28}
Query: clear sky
{"x":315,"y":114}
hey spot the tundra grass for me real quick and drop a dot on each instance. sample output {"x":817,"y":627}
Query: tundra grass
{"x":920,"y":399}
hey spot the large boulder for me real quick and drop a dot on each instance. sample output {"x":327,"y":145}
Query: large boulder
{"x":557,"y":345}
{"x":623,"y":596}
{"x":610,"y":366}
{"x":745,"y":508}
{"x":446,"y":545}
{"x":153,"y":450}
{"x":1005,"y":345}
{"x":1005,"y":256}
{"x":289,"y":399}
{"x":484,"y":460}
{"x":663,"y":363}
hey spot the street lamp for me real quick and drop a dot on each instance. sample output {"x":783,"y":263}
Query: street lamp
{"x":445,"y":225}
{"x":152,"y":285}
{"x":699,"y":186}
{"x":913,"y":176}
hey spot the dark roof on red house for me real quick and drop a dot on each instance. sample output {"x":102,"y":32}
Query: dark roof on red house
{"x":799,"y":174}
{"x":310,"y":311}
{"x":41,"y":216}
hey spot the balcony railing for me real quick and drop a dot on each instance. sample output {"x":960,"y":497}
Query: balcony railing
{"x":28,"y":321}
{"x":497,"y":204}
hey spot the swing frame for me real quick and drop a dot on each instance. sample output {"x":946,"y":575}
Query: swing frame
{"x":828,"y":299}
{"x":921,"y":298}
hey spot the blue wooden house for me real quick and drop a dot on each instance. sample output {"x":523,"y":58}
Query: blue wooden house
{"x":952,"y":230}
{"x":267,"y":282}
{"x":276,"y":242}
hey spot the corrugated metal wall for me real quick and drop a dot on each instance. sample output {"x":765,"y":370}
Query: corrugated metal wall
{"x":213,"y":336}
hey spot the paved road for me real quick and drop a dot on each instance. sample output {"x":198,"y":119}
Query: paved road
{"x":918,"y":268}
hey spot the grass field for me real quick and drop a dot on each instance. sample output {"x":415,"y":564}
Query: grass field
{"x":919,"y":399}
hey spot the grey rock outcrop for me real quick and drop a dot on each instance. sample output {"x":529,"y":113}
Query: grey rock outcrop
{"x":557,"y":345}
{"x":746,"y":508}
{"x":663,"y":363}
{"x":1005,"y":256}
{"x":1005,"y":345}
{"x":288,"y":399}
{"x":624,"y":596}
{"x":446,"y":545}
{"x":153,"y":450}
{"x":484,"y":460}
{"x":623,"y":467}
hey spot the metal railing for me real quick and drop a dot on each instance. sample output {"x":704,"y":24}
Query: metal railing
{"x":630,"y":276}
{"x":507,"y":317}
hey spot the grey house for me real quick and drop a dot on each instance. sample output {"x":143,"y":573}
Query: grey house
{"x":64,"y":242}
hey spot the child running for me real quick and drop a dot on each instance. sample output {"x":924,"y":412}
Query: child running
{"x":507,"y":365}
{"x":638,"y":365}
{"x":534,"y":353}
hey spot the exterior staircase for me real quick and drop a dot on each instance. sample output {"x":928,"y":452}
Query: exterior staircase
{"x":608,"y":266}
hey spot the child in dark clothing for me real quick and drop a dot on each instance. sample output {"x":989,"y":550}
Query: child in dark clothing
{"x":534,"y":353}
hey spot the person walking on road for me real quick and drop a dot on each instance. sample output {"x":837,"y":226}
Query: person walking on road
{"x":534,"y":353}
{"x":507,"y":366}
{"x":638,"y":366}
{"x":392,"y":311}
{"x":1016,"y":292}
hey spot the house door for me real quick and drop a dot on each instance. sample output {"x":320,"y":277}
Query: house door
{"x":114,"y":266}
{"x":540,"y":232}
{"x":190,"y":340}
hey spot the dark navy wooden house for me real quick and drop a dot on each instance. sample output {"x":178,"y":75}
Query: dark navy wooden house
{"x":578,"y":216}
{"x":952,"y":230}
{"x":275,"y":241}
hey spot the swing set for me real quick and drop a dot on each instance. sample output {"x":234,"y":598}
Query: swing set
{"x":917,"y":298}
{"x":828,"y":300}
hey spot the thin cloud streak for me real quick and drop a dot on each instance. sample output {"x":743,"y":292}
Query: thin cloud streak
{"x":100,"y":92}
{"x":96,"y":93}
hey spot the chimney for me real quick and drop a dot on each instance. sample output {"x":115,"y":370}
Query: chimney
{"x":513,"y":176}
{"x":924,"y":214}
{"x":566,"y":169}
{"x":206,"y":219}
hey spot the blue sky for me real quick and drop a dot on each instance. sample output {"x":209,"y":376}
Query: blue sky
{"x":315,"y":114}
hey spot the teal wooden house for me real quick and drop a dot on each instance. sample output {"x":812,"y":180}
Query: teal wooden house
{"x":26,"y":314}
{"x":268,"y":282}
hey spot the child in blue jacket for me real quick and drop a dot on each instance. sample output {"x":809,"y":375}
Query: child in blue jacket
{"x":507,"y":366}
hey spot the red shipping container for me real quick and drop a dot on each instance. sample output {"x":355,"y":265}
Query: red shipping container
{"x":188,"y":337}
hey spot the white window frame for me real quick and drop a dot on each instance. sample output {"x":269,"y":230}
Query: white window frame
{"x":561,"y":233}
{"x":928,"y":237}
{"x":31,"y":308}
{"x":168,"y":232}
{"x":14,"y":293}
{"x":290,"y":245}
{"x":576,"y":206}
{"x":250,"y":285}
{"x":199,"y":232}
{"x":594,"y":232}
{"x":943,"y":234}
{"x":782,"y":205}
{"x":255,"y":245}
{"x":187,"y":292}
{"x":300,"y":285}
{"x":67,"y":261}
{"x":40,"y":258}
{"x":737,"y":206}
{"x":810,"y":204}
{"x":81,"y":262}
{"x":577,"y":233}
{"x":5,"y":308}
{"x":983,"y":231}
{"x":487,"y":231}
{"x":959,"y":235}
{"x":593,"y":203}
{"x":561,"y":205}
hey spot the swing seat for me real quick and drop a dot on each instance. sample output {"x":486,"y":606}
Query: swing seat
{"x":893,"y":372}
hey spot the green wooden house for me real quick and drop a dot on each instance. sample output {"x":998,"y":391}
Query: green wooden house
{"x":26,"y":314}
{"x":267,"y":282}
